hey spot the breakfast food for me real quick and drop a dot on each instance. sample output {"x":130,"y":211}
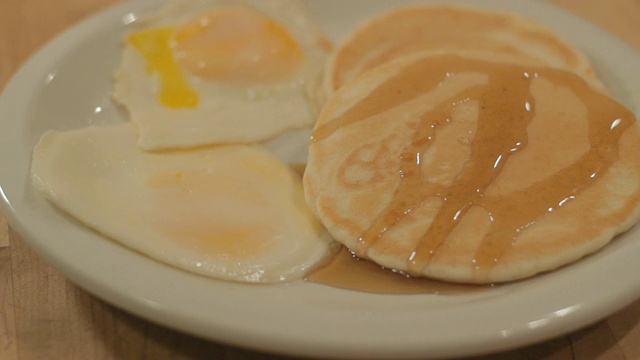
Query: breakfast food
{"x":196,"y":74}
{"x":219,"y":72}
{"x":473,"y":168}
{"x":230,"y":212}
{"x":440,"y":27}
{"x":459,"y":144}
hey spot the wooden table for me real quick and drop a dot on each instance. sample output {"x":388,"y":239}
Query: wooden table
{"x":44,"y":316}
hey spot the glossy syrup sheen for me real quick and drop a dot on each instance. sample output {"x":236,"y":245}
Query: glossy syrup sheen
{"x":347,"y":271}
{"x":506,"y":108}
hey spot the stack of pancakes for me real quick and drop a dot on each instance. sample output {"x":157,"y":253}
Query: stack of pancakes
{"x":470,"y":146}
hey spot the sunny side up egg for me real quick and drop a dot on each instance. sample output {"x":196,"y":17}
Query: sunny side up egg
{"x":220,"y":72}
{"x":229,"y":212}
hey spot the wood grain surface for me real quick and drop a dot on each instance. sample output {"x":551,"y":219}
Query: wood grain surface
{"x":44,"y":316}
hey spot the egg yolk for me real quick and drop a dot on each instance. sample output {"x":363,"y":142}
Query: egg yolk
{"x":154,"y":45}
{"x":236,"y":44}
{"x":232,"y":44}
{"x":233,"y":215}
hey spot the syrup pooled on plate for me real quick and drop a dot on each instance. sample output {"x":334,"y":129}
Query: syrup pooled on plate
{"x":347,"y":271}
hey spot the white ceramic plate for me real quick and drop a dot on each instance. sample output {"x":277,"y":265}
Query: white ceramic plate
{"x":67,"y":84}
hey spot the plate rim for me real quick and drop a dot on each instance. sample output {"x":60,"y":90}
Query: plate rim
{"x":237,"y":335}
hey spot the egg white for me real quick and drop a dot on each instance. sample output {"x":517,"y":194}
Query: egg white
{"x":229,"y":212}
{"x":227,"y":113}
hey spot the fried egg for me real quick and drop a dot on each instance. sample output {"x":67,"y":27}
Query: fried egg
{"x":219,"y":72}
{"x":229,"y":212}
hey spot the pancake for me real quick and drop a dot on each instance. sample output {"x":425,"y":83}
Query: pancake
{"x":415,"y":28}
{"x":472,"y":168}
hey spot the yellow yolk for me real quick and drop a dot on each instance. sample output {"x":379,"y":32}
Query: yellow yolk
{"x":239,"y":197}
{"x":153,"y":44}
{"x":227,"y":240}
{"x":233,"y":44}
{"x":236,"y":44}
